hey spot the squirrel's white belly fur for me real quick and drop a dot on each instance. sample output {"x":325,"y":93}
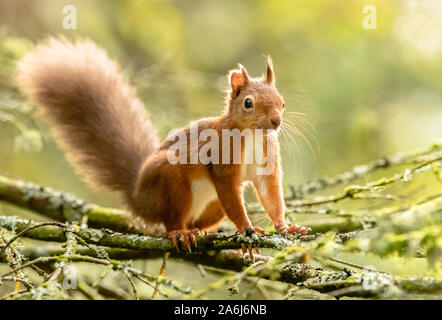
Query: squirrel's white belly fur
{"x":203,"y":193}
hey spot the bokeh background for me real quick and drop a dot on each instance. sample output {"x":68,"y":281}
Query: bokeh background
{"x":360,"y":94}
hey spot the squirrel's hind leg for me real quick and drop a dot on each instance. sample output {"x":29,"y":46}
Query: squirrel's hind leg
{"x":209,"y":220}
{"x":211,"y":217}
{"x":163,"y":194}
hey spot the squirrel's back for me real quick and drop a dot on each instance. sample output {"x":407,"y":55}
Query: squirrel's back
{"x":94,"y":113}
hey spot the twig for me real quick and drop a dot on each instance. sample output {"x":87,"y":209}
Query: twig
{"x":234,"y":288}
{"x":60,"y":206}
{"x":354,"y":192}
{"x":162,"y":269}
{"x":15,"y":294}
{"x":360,"y":171}
{"x":14,"y":259}
{"x":34,"y":226}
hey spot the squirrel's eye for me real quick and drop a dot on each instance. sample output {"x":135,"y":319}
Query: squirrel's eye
{"x":248,"y":103}
{"x":283,"y":105}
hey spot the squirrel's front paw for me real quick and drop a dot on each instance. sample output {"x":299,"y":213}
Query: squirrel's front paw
{"x":293,"y":229}
{"x":250,"y":231}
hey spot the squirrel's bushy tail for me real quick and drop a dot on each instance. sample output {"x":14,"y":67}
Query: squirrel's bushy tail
{"x":94,"y":113}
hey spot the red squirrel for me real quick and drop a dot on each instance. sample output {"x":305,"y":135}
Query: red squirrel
{"x":109,"y":138}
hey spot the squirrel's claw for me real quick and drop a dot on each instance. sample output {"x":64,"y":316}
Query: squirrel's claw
{"x":293,"y":229}
{"x":244,"y":249}
{"x":173,"y":236}
{"x":249,"y":249}
{"x":187,"y":238}
{"x":260,"y":231}
{"x":195,"y":232}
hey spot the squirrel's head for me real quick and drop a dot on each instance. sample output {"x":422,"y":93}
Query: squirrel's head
{"x":254,"y":102}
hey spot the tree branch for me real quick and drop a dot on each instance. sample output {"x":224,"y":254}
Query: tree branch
{"x":105,"y":237}
{"x":400,"y":158}
{"x":60,"y":206}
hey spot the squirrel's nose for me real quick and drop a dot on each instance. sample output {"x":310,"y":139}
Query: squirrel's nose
{"x":276,"y":121}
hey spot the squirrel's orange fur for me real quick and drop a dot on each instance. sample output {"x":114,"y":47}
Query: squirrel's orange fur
{"x":108,"y":136}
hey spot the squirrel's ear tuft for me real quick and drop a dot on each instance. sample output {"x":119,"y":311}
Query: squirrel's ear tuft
{"x":270,"y":77}
{"x":238,"y":78}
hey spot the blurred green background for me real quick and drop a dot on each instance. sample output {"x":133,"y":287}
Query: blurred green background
{"x":366,"y":93}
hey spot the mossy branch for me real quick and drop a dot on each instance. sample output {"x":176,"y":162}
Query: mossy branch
{"x":106,"y":237}
{"x":360,"y":192}
{"x":286,"y":267}
{"x":401,"y":158}
{"x":60,"y":206}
